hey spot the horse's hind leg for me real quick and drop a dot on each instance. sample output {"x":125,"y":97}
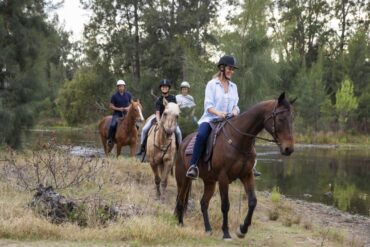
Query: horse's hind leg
{"x":209,"y":190}
{"x":248,"y":183}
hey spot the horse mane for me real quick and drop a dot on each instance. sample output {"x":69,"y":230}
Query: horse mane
{"x":273,"y":102}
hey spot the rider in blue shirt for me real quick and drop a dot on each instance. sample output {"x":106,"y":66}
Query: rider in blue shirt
{"x":119,"y":103}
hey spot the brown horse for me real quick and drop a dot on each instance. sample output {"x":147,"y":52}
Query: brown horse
{"x":233,"y":158}
{"x":161,"y":146}
{"x":127,"y":133}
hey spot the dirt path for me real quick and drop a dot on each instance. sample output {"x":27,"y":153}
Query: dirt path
{"x":356,"y":226}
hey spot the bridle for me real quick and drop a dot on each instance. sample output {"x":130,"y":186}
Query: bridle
{"x":273,"y":115}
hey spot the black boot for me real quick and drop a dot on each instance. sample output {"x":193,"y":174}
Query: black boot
{"x":193,"y":172}
{"x":142,"y":149}
{"x":110,"y":135}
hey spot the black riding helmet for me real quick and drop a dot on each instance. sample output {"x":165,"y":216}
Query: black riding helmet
{"x":227,"y":61}
{"x":165,"y":82}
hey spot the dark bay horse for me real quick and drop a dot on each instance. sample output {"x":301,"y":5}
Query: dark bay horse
{"x":161,"y":146}
{"x":126,"y":133}
{"x":233,"y":158}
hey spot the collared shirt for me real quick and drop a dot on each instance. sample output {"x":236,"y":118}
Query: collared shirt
{"x":216,"y":97}
{"x":185,"y":101}
{"x":159,"y":104}
{"x":119,"y":100}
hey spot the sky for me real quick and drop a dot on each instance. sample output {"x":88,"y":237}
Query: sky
{"x":73,"y":17}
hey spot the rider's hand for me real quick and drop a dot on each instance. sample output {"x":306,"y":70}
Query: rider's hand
{"x":222,"y":115}
{"x":234,"y":112}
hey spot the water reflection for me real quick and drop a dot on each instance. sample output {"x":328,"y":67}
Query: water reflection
{"x":334,"y":176}
{"x":322,"y":173}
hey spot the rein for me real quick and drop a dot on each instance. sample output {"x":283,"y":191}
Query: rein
{"x":166,"y":147}
{"x":273,"y":130}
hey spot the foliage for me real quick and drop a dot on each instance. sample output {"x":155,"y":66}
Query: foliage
{"x":32,"y":52}
{"x":275,"y":194}
{"x":346,"y":102}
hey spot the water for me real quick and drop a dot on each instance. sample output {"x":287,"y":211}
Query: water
{"x":319,"y":173}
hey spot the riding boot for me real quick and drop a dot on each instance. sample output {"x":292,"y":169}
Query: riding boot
{"x":193,"y":172}
{"x":143,"y":146}
{"x":110,"y":135}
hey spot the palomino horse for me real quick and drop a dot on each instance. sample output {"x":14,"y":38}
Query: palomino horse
{"x":233,"y":158}
{"x":161,"y":145}
{"x":126,"y":133}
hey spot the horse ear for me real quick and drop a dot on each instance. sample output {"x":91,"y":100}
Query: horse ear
{"x":281,"y":98}
{"x":293,"y":100}
{"x":165,"y":102}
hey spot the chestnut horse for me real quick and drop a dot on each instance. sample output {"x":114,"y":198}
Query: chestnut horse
{"x":233,"y":158}
{"x":126,"y":133}
{"x":161,"y":146}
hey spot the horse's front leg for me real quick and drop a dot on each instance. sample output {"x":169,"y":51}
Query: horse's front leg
{"x":133,"y":149}
{"x":209,"y":190}
{"x":248,"y":183}
{"x":157,"y":179}
{"x":223,"y":183}
{"x":119,"y":146}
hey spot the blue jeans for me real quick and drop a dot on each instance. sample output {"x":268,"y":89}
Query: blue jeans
{"x":200,"y":142}
{"x":113,"y":126}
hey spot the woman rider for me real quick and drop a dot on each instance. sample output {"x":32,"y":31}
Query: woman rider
{"x":164,"y":86}
{"x":221,"y":100}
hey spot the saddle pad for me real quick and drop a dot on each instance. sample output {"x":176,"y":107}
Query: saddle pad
{"x":189,"y":149}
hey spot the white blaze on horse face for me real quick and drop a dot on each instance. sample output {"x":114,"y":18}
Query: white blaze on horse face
{"x":140,"y":113}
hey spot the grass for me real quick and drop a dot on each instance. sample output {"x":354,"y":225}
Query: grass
{"x":147,"y":221}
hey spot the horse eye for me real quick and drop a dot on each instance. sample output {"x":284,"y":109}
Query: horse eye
{"x":165,"y":114}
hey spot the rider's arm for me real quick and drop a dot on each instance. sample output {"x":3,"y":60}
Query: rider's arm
{"x":157,"y":116}
{"x":111,"y":106}
{"x":209,"y":101}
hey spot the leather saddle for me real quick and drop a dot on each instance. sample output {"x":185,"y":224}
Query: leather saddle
{"x":211,"y":141}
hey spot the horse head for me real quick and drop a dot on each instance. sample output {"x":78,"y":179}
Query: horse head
{"x":170,"y":117}
{"x":137,"y":110}
{"x":279,"y":123}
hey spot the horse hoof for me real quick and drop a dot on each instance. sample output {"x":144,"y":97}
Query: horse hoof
{"x":209,"y":232}
{"x":239,"y":233}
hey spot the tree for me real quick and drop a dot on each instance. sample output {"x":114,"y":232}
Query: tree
{"x":30,"y":63}
{"x":346,"y":102}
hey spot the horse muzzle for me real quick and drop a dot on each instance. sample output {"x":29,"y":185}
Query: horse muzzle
{"x":286,"y":150}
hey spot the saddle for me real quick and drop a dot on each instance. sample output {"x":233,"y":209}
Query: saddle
{"x":211,"y":141}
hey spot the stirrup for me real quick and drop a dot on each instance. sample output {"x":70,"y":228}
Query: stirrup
{"x":193,"y":172}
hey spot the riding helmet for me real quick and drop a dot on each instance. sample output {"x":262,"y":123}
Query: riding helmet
{"x":227,"y":61}
{"x":165,"y":82}
{"x":185,"y":84}
{"x":121,"y":82}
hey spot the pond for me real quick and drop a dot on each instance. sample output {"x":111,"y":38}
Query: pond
{"x":319,"y":173}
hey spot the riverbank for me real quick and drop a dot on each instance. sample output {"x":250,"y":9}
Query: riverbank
{"x":128,"y":184}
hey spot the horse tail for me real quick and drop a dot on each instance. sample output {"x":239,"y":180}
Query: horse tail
{"x":182,"y":199}
{"x":183,"y":188}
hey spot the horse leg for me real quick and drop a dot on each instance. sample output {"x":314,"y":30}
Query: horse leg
{"x":223,"y":183}
{"x":157,"y":179}
{"x":133,"y":149}
{"x":183,"y":190}
{"x":119,"y":146}
{"x":209,"y":190}
{"x":165,"y":172}
{"x":248,"y":183}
